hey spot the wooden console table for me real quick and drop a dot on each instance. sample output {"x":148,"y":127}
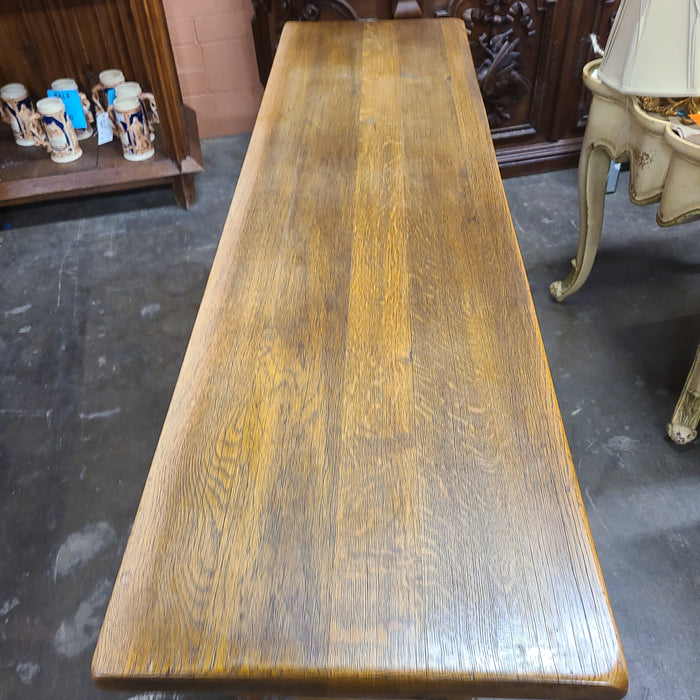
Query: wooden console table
{"x":363,"y":486}
{"x":664,"y":168}
{"x":47,"y":39}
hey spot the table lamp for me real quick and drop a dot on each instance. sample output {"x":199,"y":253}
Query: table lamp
{"x":654,"y":49}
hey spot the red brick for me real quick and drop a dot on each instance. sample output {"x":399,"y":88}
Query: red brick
{"x":224,"y":26}
{"x":194,"y":83}
{"x":243,"y":5}
{"x":177,"y":8}
{"x":231,"y":64}
{"x":188,"y":59}
{"x":224,"y":126}
{"x":202,"y":8}
{"x":230,"y":112}
{"x":182,"y":31}
{"x":239,"y":102}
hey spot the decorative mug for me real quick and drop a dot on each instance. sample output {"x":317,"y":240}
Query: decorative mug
{"x":131,"y":120}
{"x":133,"y":89}
{"x":66,"y":84}
{"x":58,"y":136}
{"x":103,"y":92}
{"x":18,"y":112}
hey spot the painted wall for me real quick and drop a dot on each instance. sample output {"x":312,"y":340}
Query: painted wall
{"x":215,"y":58}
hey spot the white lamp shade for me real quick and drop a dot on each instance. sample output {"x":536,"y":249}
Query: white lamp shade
{"x":654,"y":49}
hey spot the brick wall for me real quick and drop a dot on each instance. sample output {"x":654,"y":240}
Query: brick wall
{"x":215,"y":58}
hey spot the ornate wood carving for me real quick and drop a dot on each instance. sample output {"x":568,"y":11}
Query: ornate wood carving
{"x":496,"y":29}
{"x":499,"y":78}
{"x":311,"y":10}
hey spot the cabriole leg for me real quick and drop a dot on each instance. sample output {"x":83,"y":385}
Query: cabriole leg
{"x":683,"y":426}
{"x":594,"y":164}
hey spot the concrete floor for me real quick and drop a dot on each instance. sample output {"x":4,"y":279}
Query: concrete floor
{"x":97,"y":299}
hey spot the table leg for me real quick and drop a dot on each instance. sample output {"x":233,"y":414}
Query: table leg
{"x":593,"y":167}
{"x":683,"y":426}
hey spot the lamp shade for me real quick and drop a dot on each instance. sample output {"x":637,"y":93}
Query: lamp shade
{"x":654,"y":49}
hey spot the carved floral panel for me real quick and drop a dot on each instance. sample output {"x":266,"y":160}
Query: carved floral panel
{"x":509,"y":42}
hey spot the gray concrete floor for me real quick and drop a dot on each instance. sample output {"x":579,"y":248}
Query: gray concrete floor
{"x":97,"y":300}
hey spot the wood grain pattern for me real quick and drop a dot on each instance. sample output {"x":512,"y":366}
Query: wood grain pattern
{"x":363,"y":486}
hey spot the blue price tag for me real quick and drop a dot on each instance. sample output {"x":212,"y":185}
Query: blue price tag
{"x":74,"y":107}
{"x":111,"y":94}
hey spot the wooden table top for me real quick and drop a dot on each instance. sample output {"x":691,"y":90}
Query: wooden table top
{"x":363,"y":486}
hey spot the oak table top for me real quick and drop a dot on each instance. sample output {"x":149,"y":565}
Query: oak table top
{"x":363,"y":486}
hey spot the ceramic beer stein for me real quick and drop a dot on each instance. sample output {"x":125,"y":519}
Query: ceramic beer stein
{"x":18,"y":112}
{"x":103,"y":92}
{"x":68,"y":84}
{"x":133,"y":89}
{"x":58,"y":136}
{"x":131,"y":121}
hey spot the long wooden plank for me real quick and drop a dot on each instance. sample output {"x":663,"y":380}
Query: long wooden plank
{"x":363,"y":485}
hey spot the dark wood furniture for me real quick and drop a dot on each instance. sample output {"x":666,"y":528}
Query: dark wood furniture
{"x":47,"y":39}
{"x":363,"y":486}
{"x":529,"y":55}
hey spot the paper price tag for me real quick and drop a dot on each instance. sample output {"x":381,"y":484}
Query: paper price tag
{"x":104,"y":128}
{"x":74,"y":107}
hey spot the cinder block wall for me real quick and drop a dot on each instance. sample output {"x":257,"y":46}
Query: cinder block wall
{"x":215,"y":57}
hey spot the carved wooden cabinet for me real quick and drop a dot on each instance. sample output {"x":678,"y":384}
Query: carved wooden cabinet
{"x":41,"y":40}
{"x":528,"y":55}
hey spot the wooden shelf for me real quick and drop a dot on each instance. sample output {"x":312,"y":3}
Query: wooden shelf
{"x":28,"y":174}
{"x":48,"y":39}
